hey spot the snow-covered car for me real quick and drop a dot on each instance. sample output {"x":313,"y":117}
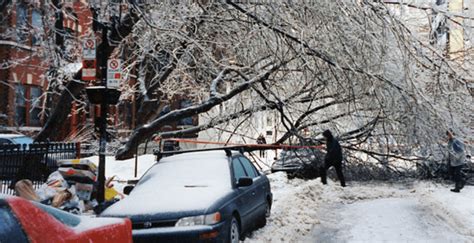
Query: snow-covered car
{"x":26,"y":221}
{"x":15,"y":139}
{"x":211,"y":196}
{"x":301,"y":162}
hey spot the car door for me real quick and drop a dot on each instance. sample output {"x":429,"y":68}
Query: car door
{"x":5,"y":141}
{"x":245,"y":200}
{"x":10,"y":228}
{"x":259,"y":188}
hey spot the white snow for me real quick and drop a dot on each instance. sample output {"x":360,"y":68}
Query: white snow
{"x":184,"y":182}
{"x":307,"y":211}
{"x":387,"y":219}
{"x":71,"y":68}
{"x":88,"y":223}
{"x":124,"y":170}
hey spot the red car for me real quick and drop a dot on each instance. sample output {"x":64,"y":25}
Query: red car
{"x":26,"y":221}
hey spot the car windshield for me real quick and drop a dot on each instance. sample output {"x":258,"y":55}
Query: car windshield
{"x":191,"y":170}
{"x":22,"y":140}
{"x":65,"y":218}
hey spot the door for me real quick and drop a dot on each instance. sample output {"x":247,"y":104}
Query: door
{"x":10,"y":228}
{"x":245,"y":200}
{"x":259,"y":188}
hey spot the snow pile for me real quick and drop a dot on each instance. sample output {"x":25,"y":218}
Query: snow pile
{"x":124,"y":170}
{"x":457,"y":210}
{"x":368,"y":212}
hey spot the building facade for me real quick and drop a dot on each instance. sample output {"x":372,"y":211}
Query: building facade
{"x":26,"y":56}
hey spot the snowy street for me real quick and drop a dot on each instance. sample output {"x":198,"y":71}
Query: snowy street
{"x":389,"y":219}
{"x":307,"y":211}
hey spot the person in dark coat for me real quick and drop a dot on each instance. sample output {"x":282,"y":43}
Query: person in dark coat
{"x":261,"y":140}
{"x":333,"y":158}
{"x":457,"y":160}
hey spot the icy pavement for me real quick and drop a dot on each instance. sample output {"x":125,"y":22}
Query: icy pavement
{"x":307,"y":211}
{"x":384,"y":220}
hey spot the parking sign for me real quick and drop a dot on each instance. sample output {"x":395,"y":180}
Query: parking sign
{"x":88,"y":49}
{"x":114,"y":73}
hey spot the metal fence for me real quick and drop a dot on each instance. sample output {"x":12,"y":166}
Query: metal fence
{"x":34,"y":162}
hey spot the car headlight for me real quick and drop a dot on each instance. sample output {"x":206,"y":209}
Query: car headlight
{"x":208,"y":219}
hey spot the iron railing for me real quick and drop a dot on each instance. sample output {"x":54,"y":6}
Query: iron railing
{"x":34,"y":162}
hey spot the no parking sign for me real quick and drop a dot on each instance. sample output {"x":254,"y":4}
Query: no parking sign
{"x":114,"y":73}
{"x":88,"y":59}
{"x":88,"y":49}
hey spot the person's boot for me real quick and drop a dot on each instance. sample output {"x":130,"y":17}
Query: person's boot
{"x":455,"y":190}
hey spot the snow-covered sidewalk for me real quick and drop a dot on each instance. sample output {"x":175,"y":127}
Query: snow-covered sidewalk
{"x":307,"y":211}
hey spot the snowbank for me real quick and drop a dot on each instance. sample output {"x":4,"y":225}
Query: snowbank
{"x":456,"y":209}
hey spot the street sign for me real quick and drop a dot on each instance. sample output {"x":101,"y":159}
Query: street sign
{"x":88,"y":49}
{"x":114,"y":73}
{"x":89,"y":70}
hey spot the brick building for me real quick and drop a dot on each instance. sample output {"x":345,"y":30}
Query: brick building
{"x":28,"y":33}
{"x":25,"y":58}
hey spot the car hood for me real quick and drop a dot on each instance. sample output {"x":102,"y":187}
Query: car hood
{"x":167,"y":203}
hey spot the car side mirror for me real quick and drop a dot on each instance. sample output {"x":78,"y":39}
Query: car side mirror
{"x":128,"y":189}
{"x":244,"y":181}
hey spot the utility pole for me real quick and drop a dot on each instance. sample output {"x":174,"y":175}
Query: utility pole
{"x":103,"y":96}
{"x":102,"y":59}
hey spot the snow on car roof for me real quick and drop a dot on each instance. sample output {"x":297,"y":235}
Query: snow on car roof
{"x":208,"y":168}
{"x":9,"y":135}
{"x":5,"y":196}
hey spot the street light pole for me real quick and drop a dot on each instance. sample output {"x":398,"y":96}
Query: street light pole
{"x":104,"y":96}
{"x":102,"y":59}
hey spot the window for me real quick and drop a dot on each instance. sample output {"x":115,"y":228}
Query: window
{"x":239,"y":171}
{"x":5,"y":141}
{"x":21,"y":23}
{"x":126,"y":111}
{"x":35,"y":109}
{"x":164,"y":111}
{"x":20,"y":105}
{"x":22,"y":140}
{"x":37,"y":24}
{"x":188,"y":121}
{"x":28,"y":105}
{"x":10,"y":228}
{"x":249,"y":168}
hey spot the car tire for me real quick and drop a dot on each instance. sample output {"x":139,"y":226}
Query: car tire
{"x":234,"y":231}
{"x":268,"y":210}
{"x":263,"y":220}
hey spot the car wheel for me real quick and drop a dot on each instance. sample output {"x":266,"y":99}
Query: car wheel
{"x":263,"y":220}
{"x":234,"y":231}
{"x":268,"y":210}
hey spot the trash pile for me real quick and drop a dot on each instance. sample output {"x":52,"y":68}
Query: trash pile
{"x":72,"y":188}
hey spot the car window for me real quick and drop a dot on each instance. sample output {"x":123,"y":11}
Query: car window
{"x":10,"y":228}
{"x":5,"y":141}
{"x":22,"y":140}
{"x":239,"y":171}
{"x":65,"y":218}
{"x":249,"y":168}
